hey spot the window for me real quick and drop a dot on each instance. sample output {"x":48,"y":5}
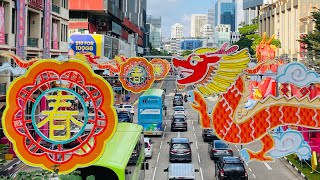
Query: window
{"x":42,"y":27}
{"x":13,"y":22}
{"x":65,"y":4}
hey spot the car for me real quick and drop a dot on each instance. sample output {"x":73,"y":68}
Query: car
{"x":179,"y":122}
{"x":181,"y":171}
{"x":230,"y":168}
{"x":127,"y":107}
{"x":180,"y":150}
{"x":208,"y":135}
{"x":125,"y":116}
{"x":148,"y":147}
{"x":179,"y":94}
{"x":177,"y":101}
{"x":179,"y":110}
{"x":218,"y":148}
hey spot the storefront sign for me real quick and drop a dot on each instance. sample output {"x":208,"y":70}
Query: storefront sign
{"x":21,"y":18}
{"x":55,"y":36}
{"x":47,"y":25}
{"x":2,"y":32}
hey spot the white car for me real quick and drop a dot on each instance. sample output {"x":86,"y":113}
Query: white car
{"x":127,"y":107}
{"x":148,"y":147}
{"x":179,"y":110}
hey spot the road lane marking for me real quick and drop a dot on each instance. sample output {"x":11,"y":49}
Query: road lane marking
{"x":154,"y":173}
{"x":268,"y":166}
{"x":236,"y":146}
{"x":192,"y":122}
{"x":253,"y":175}
{"x":163,"y":135}
{"x":199,"y":158}
{"x":195,"y":135}
{"x":178,"y":135}
{"x":161,"y":144}
{"x":165,"y":127}
{"x":193,"y":128}
{"x":238,"y":150}
{"x":201,"y":173}
{"x":158,"y":157}
{"x":136,"y":102}
{"x":250,"y":169}
{"x":197,"y":144}
{"x":247,"y":164}
{"x":166,"y":122}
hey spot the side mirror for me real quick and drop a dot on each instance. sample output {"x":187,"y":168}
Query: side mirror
{"x":196,"y":170}
{"x":165,"y":170}
{"x":168,"y":142}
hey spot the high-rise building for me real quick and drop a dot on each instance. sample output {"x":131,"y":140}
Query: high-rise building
{"x":211,"y":16}
{"x":191,"y":44}
{"x":154,"y":31}
{"x":197,"y":23}
{"x":225,"y":13}
{"x":288,"y":21}
{"x":222,"y":34}
{"x":208,"y":35}
{"x":177,"y":31}
{"x":251,"y":9}
{"x":239,"y":13}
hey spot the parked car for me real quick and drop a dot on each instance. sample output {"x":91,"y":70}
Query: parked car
{"x":148,"y":147}
{"x":180,"y":150}
{"x":181,"y":171}
{"x":208,"y":135}
{"x":218,"y":148}
{"x":230,"y":168}
{"x":125,"y":116}
{"x":127,"y":107}
{"x":179,"y":122}
{"x":179,"y":94}
{"x":177,"y":101}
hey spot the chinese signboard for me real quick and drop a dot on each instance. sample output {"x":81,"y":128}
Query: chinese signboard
{"x":2,"y":32}
{"x":47,"y":27}
{"x":21,"y":15}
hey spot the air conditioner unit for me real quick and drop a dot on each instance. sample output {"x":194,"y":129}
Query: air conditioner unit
{"x":102,"y":24}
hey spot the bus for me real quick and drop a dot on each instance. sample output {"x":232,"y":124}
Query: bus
{"x":150,"y":108}
{"x":123,"y":158}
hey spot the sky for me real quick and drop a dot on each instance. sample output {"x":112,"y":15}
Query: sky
{"x":177,"y":11}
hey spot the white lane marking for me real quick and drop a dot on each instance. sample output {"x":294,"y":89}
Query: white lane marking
{"x":193,"y":128}
{"x":178,"y":135}
{"x":154,"y":173}
{"x":161,"y":144}
{"x":236,"y":146}
{"x":158,"y":157}
{"x":268,"y":166}
{"x":197,"y":144}
{"x":247,"y":164}
{"x":163,"y":135}
{"x":199,"y":158}
{"x":238,"y":150}
{"x":166,"y":122}
{"x":192,"y":122}
{"x":195,"y":135}
{"x":201,"y":173}
{"x":250,"y":169}
{"x":165,"y":127}
{"x":253,"y":175}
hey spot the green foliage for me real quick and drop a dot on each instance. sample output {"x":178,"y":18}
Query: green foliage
{"x":248,"y":29}
{"x":312,"y":39}
{"x":186,"y":53}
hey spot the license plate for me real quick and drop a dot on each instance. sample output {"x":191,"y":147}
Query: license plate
{"x":148,"y":133}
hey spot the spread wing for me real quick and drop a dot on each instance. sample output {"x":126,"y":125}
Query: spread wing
{"x":227,"y":71}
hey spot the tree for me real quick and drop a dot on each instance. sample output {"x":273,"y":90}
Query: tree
{"x":312,"y":39}
{"x":186,"y":53}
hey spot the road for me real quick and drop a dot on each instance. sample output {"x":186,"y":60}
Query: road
{"x":200,"y":155}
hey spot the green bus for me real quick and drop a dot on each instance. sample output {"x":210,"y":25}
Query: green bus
{"x":123,"y":158}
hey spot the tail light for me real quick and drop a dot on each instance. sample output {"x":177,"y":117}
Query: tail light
{"x":187,"y":152}
{"x":245,"y":174}
{"x":222,"y":173}
{"x":229,"y":151}
{"x":173,"y":151}
{"x":148,"y":146}
{"x":214,"y":151}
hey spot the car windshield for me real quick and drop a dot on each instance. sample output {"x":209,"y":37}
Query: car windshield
{"x":146,"y":145}
{"x":220,"y":145}
{"x":127,"y":106}
{"x":123,"y":115}
{"x":179,"y":109}
{"x":178,"y":120}
{"x":234,"y":167}
{"x":180,"y":146}
{"x":177,"y":97}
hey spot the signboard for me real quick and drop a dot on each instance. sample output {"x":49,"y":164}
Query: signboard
{"x":47,"y":27}
{"x":21,"y":18}
{"x":55,"y":36}
{"x":150,"y":111}
{"x":2,"y":32}
{"x":108,"y":47}
{"x":86,"y":43}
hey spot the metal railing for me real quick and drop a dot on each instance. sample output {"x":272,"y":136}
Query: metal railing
{"x":33,"y":42}
{"x":55,"y":9}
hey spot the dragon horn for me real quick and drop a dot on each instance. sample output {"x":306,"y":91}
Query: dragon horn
{"x":264,"y":36}
{"x":271,"y":39}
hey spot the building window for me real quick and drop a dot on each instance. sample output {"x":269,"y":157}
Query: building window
{"x":13,"y":22}
{"x":65,"y":4}
{"x":42,"y":27}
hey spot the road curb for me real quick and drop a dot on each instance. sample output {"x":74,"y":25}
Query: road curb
{"x":304,"y":176}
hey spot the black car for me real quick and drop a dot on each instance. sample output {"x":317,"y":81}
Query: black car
{"x":179,"y":122}
{"x":125,"y":116}
{"x":180,"y":150}
{"x":218,"y":148}
{"x":208,"y":135}
{"x":230,"y":168}
{"x":179,"y":94}
{"x":177,"y":101}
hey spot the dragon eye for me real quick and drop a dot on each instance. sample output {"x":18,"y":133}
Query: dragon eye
{"x":193,"y":61}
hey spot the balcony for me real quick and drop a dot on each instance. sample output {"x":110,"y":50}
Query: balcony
{"x":6,"y":38}
{"x":3,"y":89}
{"x":33,"y":42}
{"x":55,"y":9}
{"x":54,"y":46}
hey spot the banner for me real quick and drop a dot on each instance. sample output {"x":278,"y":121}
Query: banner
{"x":2,"y":33}
{"x":86,"y":43}
{"x":47,"y":26}
{"x":21,"y":15}
{"x":108,"y":47}
{"x":55,"y":36}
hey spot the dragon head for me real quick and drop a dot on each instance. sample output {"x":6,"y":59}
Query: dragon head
{"x":194,"y":68}
{"x":265,"y":51}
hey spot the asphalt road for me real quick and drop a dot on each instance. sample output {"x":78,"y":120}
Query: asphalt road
{"x":200,"y":156}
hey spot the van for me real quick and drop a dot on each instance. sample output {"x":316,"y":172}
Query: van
{"x":181,"y":171}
